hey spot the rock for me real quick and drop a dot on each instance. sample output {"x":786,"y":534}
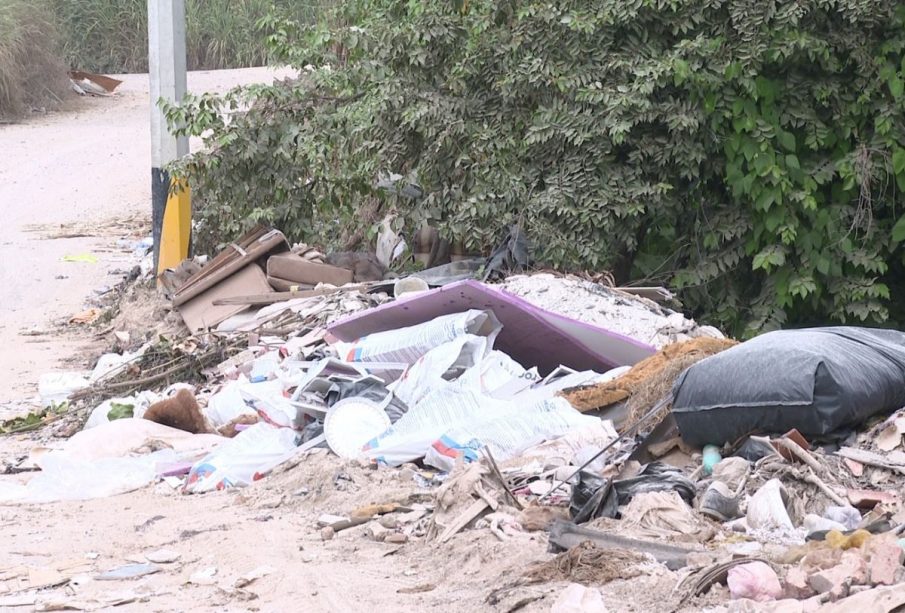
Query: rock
{"x":878,"y":599}
{"x":832,"y":581}
{"x":388,"y":521}
{"x":327,"y":533}
{"x":396,"y":538}
{"x":796,"y":584}
{"x":885,"y":561}
{"x":163,"y":556}
{"x":376,"y":531}
{"x":820,"y":559}
{"x":868,"y":499}
{"x":836,"y":581}
{"x":700,"y":559}
{"x":731,"y":471}
{"x":777,"y":606}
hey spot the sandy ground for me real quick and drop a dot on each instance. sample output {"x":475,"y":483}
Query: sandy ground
{"x":271,"y":526}
{"x":74,"y":172}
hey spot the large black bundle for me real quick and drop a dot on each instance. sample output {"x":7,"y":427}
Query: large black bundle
{"x":821,"y":381}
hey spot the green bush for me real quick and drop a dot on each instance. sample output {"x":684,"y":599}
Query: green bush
{"x":31,"y":71}
{"x":750,"y":153}
{"x":111,"y":36}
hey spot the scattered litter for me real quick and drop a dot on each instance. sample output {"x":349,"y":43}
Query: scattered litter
{"x":204,"y":576}
{"x":577,"y":598}
{"x":252,"y":576}
{"x":86,"y":317}
{"x":588,"y":564}
{"x":84,"y":258}
{"x":163,"y":556}
{"x":129,"y":571}
{"x":755,"y":580}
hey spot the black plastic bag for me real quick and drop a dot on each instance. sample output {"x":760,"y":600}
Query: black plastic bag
{"x":821,"y":381}
{"x":595,"y":496}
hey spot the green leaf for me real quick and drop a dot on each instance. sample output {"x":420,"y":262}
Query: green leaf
{"x":898,"y":230}
{"x":898,"y":160}
{"x":792,"y":162}
{"x":786,"y":140}
{"x":896,"y":86}
{"x":119,"y":411}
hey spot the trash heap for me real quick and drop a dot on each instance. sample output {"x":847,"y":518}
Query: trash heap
{"x":755,"y":472}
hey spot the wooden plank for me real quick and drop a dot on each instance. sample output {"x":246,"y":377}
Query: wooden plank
{"x":271,"y":298}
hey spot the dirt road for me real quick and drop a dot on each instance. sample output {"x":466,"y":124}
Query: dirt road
{"x":64,"y":178}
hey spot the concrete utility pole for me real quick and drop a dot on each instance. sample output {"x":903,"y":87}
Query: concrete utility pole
{"x":171,"y":215}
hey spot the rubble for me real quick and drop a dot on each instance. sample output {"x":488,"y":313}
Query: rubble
{"x":463,"y":415}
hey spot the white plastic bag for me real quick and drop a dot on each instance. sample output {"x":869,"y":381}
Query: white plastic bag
{"x":409,"y":344}
{"x":228,"y":403}
{"x":63,"y":477}
{"x":139,"y":403}
{"x":56,"y":387}
{"x":253,"y":453}
{"x":767,"y":509}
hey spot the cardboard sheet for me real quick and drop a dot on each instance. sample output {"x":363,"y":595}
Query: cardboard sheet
{"x":531,"y":335}
{"x":200,"y":313}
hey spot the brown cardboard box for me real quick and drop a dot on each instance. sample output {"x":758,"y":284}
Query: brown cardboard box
{"x":253,"y":246}
{"x":199,"y":312}
{"x":291,"y":267}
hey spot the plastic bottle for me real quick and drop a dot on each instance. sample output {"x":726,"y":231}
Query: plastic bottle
{"x":711,"y":457}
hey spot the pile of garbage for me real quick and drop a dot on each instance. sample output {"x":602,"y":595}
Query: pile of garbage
{"x":761,"y":471}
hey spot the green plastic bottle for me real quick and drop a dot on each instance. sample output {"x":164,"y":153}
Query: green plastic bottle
{"x":711,"y":458}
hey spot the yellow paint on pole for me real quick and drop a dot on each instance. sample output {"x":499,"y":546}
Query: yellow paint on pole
{"x":176,"y":231}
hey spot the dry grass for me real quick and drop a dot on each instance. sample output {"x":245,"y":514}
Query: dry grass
{"x":111,"y":36}
{"x":650,"y":380}
{"x":32,"y":73}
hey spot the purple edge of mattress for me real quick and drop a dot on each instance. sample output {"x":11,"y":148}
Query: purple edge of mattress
{"x":435,"y":296}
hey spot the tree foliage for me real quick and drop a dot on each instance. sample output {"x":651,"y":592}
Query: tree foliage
{"x":750,"y":153}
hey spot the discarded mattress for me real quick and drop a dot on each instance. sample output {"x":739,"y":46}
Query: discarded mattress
{"x":530,"y":335}
{"x":818,"y":380}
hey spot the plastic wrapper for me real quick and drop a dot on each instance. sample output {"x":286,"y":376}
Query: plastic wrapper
{"x":755,"y":581}
{"x":767,"y":508}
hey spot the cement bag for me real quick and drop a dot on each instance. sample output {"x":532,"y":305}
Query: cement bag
{"x":448,"y":362}
{"x":253,"y":453}
{"x":269,"y":403}
{"x":507,"y":434}
{"x":409,"y":344}
{"x":443,"y":409}
{"x":819,"y":380}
